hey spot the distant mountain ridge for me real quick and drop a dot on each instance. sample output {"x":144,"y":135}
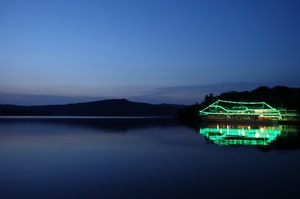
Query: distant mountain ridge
{"x":113,"y":107}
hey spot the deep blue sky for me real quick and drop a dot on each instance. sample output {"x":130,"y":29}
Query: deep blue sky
{"x":152,"y":51}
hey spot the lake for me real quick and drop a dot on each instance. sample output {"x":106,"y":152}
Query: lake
{"x":146,"y":158}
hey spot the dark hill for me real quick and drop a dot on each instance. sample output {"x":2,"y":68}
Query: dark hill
{"x":116,"y":107}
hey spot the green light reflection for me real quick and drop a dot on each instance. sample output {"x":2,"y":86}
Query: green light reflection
{"x":240,"y":134}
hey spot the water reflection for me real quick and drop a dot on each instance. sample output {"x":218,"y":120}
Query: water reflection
{"x":237,"y":135}
{"x":102,"y":124}
{"x":138,"y":158}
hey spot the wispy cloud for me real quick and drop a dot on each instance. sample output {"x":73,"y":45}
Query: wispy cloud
{"x":196,"y":93}
{"x":28,"y":99}
{"x":186,"y":95}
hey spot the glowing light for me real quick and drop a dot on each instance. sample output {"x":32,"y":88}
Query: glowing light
{"x":241,"y":135}
{"x":257,"y":135}
{"x":256,"y":111}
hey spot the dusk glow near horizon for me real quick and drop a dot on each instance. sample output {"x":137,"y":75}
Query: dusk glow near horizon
{"x":162,"y":51}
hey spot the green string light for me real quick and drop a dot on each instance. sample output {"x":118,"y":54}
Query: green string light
{"x":243,"y":135}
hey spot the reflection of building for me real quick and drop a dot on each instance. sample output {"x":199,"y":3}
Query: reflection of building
{"x":240,"y":135}
{"x":230,"y":111}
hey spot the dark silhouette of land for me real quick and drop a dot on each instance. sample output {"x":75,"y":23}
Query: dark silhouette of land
{"x":115,"y":107}
{"x":279,"y":96}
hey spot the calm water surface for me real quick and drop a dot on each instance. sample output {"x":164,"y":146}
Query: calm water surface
{"x":145,"y":158}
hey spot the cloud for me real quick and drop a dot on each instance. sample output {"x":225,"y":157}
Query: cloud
{"x":195,"y":94}
{"x":186,"y":95}
{"x":28,"y":99}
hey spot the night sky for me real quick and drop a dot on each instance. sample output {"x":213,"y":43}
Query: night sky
{"x":155,"y":51}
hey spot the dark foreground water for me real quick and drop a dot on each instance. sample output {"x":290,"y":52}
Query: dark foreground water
{"x":146,"y":158}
